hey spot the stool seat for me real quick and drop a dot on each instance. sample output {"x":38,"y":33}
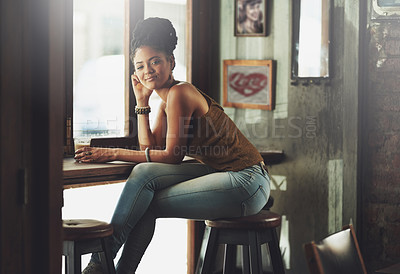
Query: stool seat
{"x":83,"y":236}
{"x":79,"y":229}
{"x":264,"y":219}
{"x":250,"y":232}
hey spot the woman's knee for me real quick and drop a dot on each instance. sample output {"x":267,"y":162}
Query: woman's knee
{"x":141,"y":170}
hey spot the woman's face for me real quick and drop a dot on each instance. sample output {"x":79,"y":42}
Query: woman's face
{"x":152,"y":67}
{"x":253,"y":11}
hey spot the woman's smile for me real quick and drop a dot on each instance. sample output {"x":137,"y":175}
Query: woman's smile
{"x":151,"y":78}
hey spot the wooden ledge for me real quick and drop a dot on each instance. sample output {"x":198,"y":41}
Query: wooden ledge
{"x":77,"y":174}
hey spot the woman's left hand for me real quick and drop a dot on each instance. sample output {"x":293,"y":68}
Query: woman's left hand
{"x":94,"y":155}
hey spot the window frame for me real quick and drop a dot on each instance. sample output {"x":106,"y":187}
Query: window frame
{"x":134,"y":11}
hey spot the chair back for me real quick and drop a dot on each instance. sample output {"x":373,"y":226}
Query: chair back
{"x":337,"y":253}
{"x":116,"y":142}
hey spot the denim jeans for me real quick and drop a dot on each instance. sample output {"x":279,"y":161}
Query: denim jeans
{"x":188,"y":190}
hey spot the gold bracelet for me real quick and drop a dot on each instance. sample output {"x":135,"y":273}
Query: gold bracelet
{"x":142,"y":110}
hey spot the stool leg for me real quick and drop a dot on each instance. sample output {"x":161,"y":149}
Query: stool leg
{"x":276,"y":257}
{"x":76,"y":257}
{"x":229,"y":259}
{"x":69,"y":264}
{"x":67,"y":251}
{"x":255,"y":253}
{"x":72,"y":257}
{"x":245,"y":260}
{"x":106,"y":257}
{"x":208,"y":250}
{"x":78,"y":263}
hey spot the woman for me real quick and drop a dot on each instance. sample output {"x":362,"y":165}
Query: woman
{"x":250,"y":17}
{"x":229,"y":180}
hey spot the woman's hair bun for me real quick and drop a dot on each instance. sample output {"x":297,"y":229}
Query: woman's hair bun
{"x":155,"y":32}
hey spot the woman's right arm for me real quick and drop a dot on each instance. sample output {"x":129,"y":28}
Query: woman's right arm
{"x":152,"y":138}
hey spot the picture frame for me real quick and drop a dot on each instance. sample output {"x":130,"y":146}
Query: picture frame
{"x":250,"y":17}
{"x":249,"y":84}
{"x":385,"y":9}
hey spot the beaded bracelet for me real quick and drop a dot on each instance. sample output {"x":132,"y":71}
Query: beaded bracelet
{"x":142,"y":110}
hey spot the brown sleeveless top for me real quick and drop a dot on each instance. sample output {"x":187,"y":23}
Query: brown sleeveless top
{"x":215,"y":140}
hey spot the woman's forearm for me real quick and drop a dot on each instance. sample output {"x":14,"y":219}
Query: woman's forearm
{"x":155,"y":155}
{"x":145,"y":135}
{"x":128,"y":155}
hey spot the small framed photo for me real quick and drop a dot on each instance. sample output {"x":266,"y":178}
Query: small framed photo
{"x":249,"y":84}
{"x":250,"y":17}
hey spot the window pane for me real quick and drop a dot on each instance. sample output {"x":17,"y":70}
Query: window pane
{"x":98,"y":107}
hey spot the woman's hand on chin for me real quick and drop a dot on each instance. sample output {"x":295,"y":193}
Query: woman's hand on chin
{"x":142,"y":94}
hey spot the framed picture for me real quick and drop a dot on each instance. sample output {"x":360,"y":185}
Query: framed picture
{"x":249,"y":84}
{"x":386,"y":9}
{"x":250,"y":17}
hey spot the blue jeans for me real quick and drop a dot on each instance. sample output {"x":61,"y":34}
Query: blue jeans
{"x":187,"y":190}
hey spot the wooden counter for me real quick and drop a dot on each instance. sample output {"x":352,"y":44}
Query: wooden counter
{"x":82,"y":174}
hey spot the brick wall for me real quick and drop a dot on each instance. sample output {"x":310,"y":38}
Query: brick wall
{"x":381,"y":164}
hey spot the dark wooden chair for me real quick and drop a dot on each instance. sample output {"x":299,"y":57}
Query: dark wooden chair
{"x":392,"y":269}
{"x":250,"y":232}
{"x":337,"y":253}
{"x":84,"y":236}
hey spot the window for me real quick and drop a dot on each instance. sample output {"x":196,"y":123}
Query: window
{"x":98,"y":68}
{"x":310,"y":52}
{"x":99,"y":96}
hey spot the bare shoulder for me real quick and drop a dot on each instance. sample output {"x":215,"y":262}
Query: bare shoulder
{"x":183,"y":89}
{"x":184,"y":93}
{"x":188,"y":97}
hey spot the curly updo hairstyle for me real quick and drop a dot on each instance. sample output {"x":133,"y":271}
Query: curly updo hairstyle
{"x":154,"y":32}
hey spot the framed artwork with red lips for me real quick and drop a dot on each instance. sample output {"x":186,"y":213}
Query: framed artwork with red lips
{"x":249,"y":84}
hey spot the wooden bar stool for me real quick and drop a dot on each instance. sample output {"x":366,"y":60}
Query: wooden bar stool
{"x":84,"y":236}
{"x":251,"y":232}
